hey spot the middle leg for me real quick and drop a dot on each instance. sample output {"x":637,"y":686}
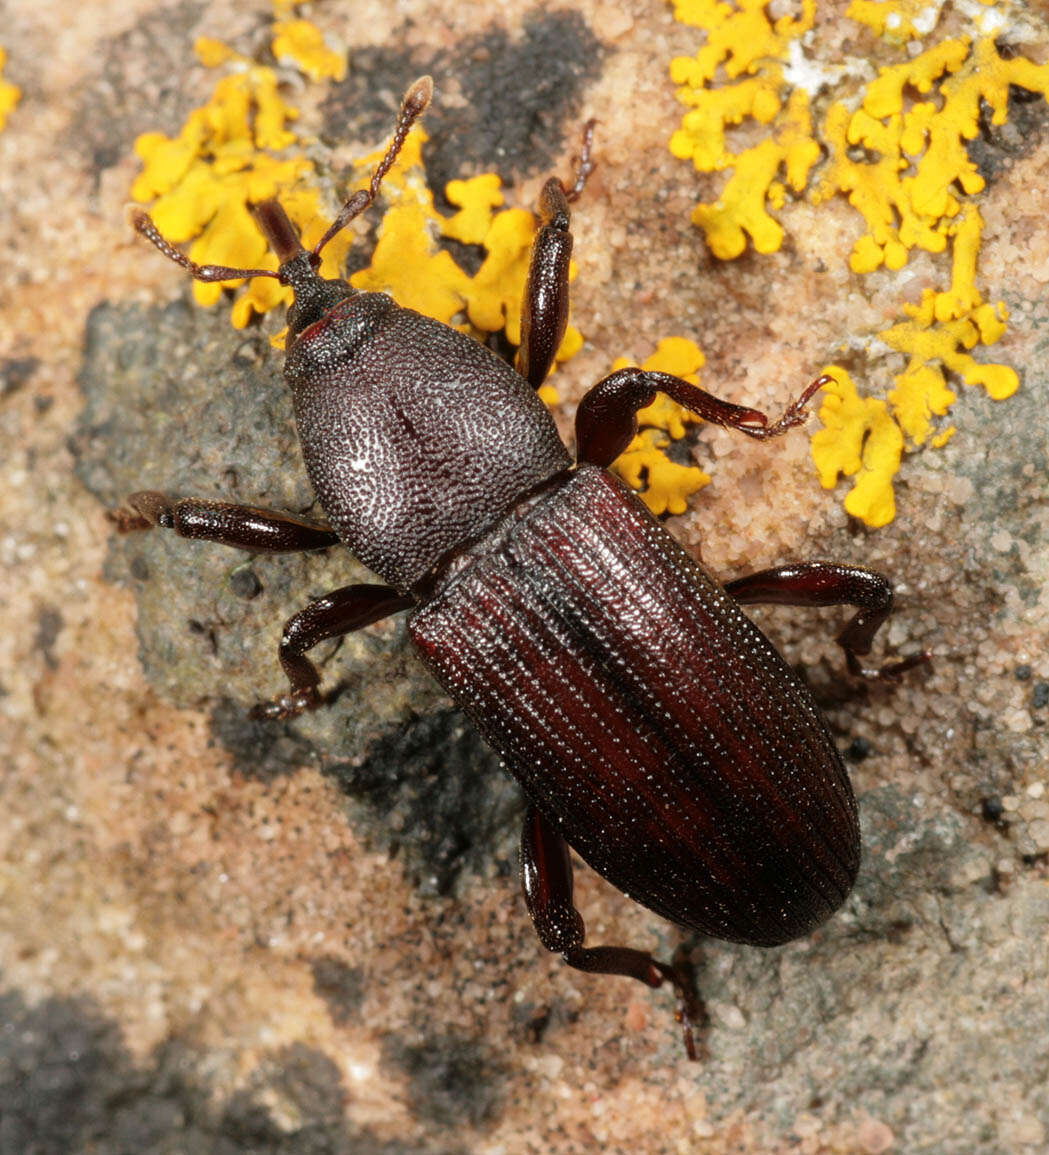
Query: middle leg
{"x":828,"y":584}
{"x":340,"y":612}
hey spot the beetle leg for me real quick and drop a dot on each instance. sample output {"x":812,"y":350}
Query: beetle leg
{"x":544,"y":310}
{"x":241,"y":526}
{"x":829,"y":584}
{"x":606,"y":420}
{"x":340,"y":612}
{"x":546,"y":878}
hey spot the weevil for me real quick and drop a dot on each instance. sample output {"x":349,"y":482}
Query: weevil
{"x":653,"y":728}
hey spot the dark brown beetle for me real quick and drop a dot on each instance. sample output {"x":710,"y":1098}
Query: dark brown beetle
{"x":652,"y":726}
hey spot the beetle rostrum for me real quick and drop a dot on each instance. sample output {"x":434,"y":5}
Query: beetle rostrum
{"x":653,"y":728}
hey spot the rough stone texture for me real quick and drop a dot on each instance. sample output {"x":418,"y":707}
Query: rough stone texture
{"x":220,"y":936}
{"x":516,"y":93}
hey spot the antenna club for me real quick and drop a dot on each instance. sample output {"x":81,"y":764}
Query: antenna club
{"x":417,"y":99}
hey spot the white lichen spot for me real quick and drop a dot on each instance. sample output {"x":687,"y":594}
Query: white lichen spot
{"x":925,"y":20}
{"x":807,"y":73}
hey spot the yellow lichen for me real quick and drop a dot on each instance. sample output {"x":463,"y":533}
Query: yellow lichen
{"x":476,"y":198}
{"x":898,"y":20}
{"x":928,"y":341}
{"x":701,"y":137}
{"x":915,"y":162}
{"x":303,"y":43}
{"x":741,"y":207}
{"x":406,"y":261}
{"x":744,"y":42}
{"x":741,"y":38}
{"x":10,"y":94}
{"x":666,"y":486}
{"x":859,"y":439}
{"x":899,"y":155}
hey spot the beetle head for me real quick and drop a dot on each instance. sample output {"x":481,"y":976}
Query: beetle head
{"x":314,"y":295}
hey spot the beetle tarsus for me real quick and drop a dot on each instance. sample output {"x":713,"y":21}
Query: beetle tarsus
{"x":795,"y":414}
{"x":288,"y":705}
{"x":691,"y":1013}
{"x":891,"y":672}
{"x":584,"y":163}
{"x":547,"y":882}
{"x":128,"y":520}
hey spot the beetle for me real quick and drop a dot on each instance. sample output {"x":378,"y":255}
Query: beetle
{"x":653,"y":728}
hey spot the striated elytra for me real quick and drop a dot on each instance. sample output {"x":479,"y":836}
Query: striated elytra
{"x":653,"y":728}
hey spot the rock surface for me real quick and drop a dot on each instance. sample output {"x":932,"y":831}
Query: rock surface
{"x":218,"y":935}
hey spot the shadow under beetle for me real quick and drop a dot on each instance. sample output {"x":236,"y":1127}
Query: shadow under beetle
{"x":653,"y":728}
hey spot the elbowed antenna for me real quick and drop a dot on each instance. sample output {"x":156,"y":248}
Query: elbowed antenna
{"x":143,"y":223}
{"x":416,"y":101}
{"x":273,"y":220}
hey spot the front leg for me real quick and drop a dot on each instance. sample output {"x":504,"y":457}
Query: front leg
{"x":338,"y":613}
{"x":544,"y":311}
{"x":606,"y":420}
{"x":240,"y":526}
{"x":546,"y":878}
{"x":270,"y":531}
